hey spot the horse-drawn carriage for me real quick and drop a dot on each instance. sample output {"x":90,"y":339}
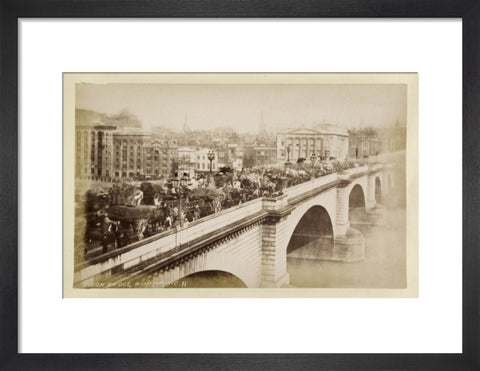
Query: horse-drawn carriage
{"x":119,"y":217}
{"x":129,"y":213}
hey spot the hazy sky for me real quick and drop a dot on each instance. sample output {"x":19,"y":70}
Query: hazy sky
{"x":240,"y":105}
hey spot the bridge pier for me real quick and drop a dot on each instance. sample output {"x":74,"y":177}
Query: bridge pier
{"x":274,"y":254}
{"x":377,"y":215}
{"x":274,"y":243}
{"x":341,"y":218}
{"x":349,"y":244}
{"x":374,"y":216}
{"x":370,"y":204}
{"x":349,"y":247}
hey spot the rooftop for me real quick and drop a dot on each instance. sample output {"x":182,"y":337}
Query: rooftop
{"x":320,"y":129}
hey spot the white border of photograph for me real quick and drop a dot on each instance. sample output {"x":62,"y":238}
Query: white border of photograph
{"x":48,"y":323}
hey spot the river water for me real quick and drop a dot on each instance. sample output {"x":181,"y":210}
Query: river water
{"x":384,"y":265}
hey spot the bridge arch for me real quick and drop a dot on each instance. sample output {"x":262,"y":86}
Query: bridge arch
{"x":357,"y":198}
{"x":315,"y":224}
{"x":326,"y":200}
{"x":209,"y":279}
{"x":208,"y":261}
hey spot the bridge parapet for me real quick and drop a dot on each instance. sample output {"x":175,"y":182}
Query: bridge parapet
{"x":217,"y":221}
{"x":164,"y":243}
{"x":356,"y":170}
{"x":377,"y":167}
{"x":302,"y":188}
{"x":275,"y":203}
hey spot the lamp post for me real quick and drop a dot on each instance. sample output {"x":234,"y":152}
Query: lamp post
{"x":289,"y":148}
{"x":211,"y":157}
{"x":180,"y":186}
{"x":313,"y":157}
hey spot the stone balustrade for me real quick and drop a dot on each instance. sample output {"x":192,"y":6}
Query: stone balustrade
{"x":301,"y":188}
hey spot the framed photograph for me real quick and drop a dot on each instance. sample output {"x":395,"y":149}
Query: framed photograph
{"x":221,"y":199}
{"x":185,"y":190}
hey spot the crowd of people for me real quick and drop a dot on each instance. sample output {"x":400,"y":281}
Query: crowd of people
{"x":126,"y":213}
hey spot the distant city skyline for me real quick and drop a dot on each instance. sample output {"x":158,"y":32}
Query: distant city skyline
{"x":243,"y":106}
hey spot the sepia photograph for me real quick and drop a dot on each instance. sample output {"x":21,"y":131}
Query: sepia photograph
{"x":263,"y":184}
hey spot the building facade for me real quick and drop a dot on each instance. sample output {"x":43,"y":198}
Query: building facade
{"x":94,"y":151}
{"x":373,"y":141}
{"x":325,"y":142}
{"x":394,"y":139}
{"x":259,"y":156}
{"x":361,"y":146}
{"x":202,"y":163}
{"x":109,"y":152}
{"x":229,"y":155}
{"x":186,"y":161}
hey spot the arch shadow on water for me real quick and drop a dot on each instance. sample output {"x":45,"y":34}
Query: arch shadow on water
{"x":311,"y":241}
{"x":315,"y":225}
{"x":209,"y":279}
{"x":378,"y":190}
{"x":356,"y":199}
{"x":357,"y":207}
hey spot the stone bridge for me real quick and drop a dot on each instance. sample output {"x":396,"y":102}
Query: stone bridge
{"x":251,"y":241}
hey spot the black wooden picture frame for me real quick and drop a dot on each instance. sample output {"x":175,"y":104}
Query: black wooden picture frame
{"x":11,"y":11}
